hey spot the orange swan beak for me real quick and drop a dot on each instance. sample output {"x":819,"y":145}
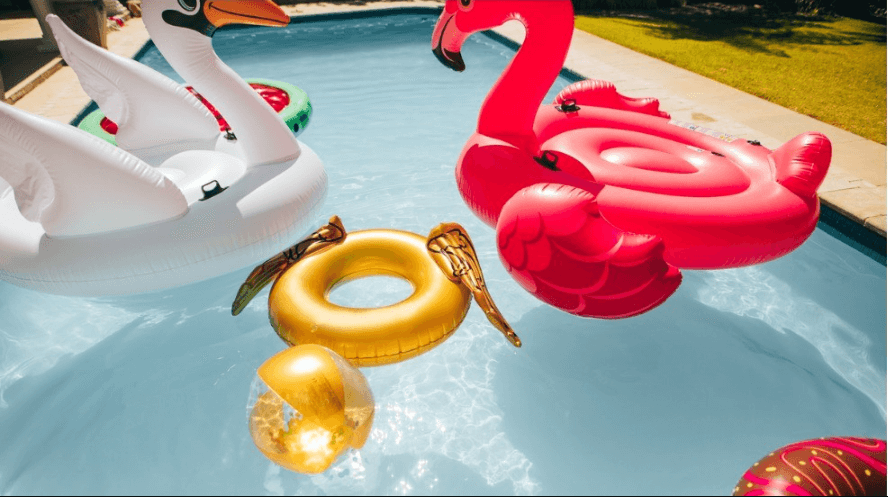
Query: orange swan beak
{"x":256,"y":12}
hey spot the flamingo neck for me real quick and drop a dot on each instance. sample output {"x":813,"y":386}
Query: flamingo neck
{"x":510,"y":108}
{"x":262,"y":136}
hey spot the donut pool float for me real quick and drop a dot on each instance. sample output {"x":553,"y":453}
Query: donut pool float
{"x":289,"y":101}
{"x":442,"y":268}
{"x":826,"y":466}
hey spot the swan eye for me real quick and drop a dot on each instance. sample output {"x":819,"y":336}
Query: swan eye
{"x":188,"y":5}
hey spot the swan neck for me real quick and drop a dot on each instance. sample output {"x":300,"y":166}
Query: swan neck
{"x":262,"y":136}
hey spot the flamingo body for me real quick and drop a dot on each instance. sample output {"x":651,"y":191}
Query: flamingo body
{"x":599,"y":199}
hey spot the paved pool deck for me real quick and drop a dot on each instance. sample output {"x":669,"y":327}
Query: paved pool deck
{"x":854,"y":187}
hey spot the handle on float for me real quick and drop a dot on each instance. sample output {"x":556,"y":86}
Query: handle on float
{"x":452,"y":249}
{"x":331,"y":233}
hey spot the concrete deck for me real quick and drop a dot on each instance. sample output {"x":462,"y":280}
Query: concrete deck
{"x":854,"y":187}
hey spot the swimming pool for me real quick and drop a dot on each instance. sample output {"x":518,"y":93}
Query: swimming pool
{"x":148,"y":393}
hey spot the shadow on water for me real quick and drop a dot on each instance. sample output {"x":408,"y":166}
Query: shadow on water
{"x":602,"y":402}
{"x":159,"y":361}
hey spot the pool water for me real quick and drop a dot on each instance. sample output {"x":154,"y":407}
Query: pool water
{"x":148,"y":393}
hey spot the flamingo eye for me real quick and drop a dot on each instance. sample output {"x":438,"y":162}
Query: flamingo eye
{"x":465,"y":3}
{"x":188,"y":5}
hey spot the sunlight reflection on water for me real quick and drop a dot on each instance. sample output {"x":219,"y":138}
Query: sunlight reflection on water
{"x":146,"y":393}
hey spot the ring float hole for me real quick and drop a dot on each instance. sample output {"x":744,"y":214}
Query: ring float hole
{"x":370,"y":292}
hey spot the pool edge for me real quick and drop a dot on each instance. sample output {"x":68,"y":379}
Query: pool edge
{"x":837,"y":224}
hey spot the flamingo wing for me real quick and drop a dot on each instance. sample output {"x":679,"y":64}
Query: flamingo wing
{"x":555,"y":243}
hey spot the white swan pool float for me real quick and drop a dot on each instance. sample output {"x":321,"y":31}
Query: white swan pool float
{"x":79,"y":216}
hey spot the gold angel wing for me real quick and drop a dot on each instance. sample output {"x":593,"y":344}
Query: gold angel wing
{"x":450,"y":247}
{"x":331,"y":233}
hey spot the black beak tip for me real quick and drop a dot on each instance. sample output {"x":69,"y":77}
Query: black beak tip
{"x":450,"y":59}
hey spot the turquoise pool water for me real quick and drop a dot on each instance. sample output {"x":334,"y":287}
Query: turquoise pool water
{"x":148,"y":393}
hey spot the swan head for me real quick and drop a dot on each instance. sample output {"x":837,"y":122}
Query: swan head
{"x":461,"y":18}
{"x":205,"y":16}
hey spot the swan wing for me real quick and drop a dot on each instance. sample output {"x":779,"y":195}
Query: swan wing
{"x":140,"y":100}
{"x":74,"y":183}
{"x":554,"y":241}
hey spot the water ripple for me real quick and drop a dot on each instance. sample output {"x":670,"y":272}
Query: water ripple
{"x":755,"y":293}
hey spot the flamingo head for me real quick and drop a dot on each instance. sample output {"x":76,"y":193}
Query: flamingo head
{"x":461,"y":18}
{"x":205,"y":16}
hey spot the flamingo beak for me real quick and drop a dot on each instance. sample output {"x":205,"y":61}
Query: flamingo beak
{"x":447,"y":40}
{"x":256,"y":12}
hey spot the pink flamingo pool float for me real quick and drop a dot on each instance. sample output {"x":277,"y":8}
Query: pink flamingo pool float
{"x":598,"y":199}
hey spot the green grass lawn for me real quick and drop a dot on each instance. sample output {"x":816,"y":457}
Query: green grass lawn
{"x":830,"y":69}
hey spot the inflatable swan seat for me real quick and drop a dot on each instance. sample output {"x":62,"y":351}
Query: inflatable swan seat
{"x":79,"y":216}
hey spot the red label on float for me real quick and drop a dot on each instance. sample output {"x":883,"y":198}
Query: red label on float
{"x":109,"y":126}
{"x":277,"y":98}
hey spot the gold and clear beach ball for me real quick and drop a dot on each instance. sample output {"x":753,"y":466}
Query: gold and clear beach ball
{"x":309,"y":406}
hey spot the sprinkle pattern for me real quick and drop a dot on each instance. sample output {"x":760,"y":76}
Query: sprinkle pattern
{"x":828,"y":466}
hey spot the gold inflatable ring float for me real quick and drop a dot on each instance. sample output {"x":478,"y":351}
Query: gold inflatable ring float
{"x":443,"y":269}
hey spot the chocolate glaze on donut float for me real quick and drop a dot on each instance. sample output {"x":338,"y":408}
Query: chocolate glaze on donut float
{"x":826,"y":466}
